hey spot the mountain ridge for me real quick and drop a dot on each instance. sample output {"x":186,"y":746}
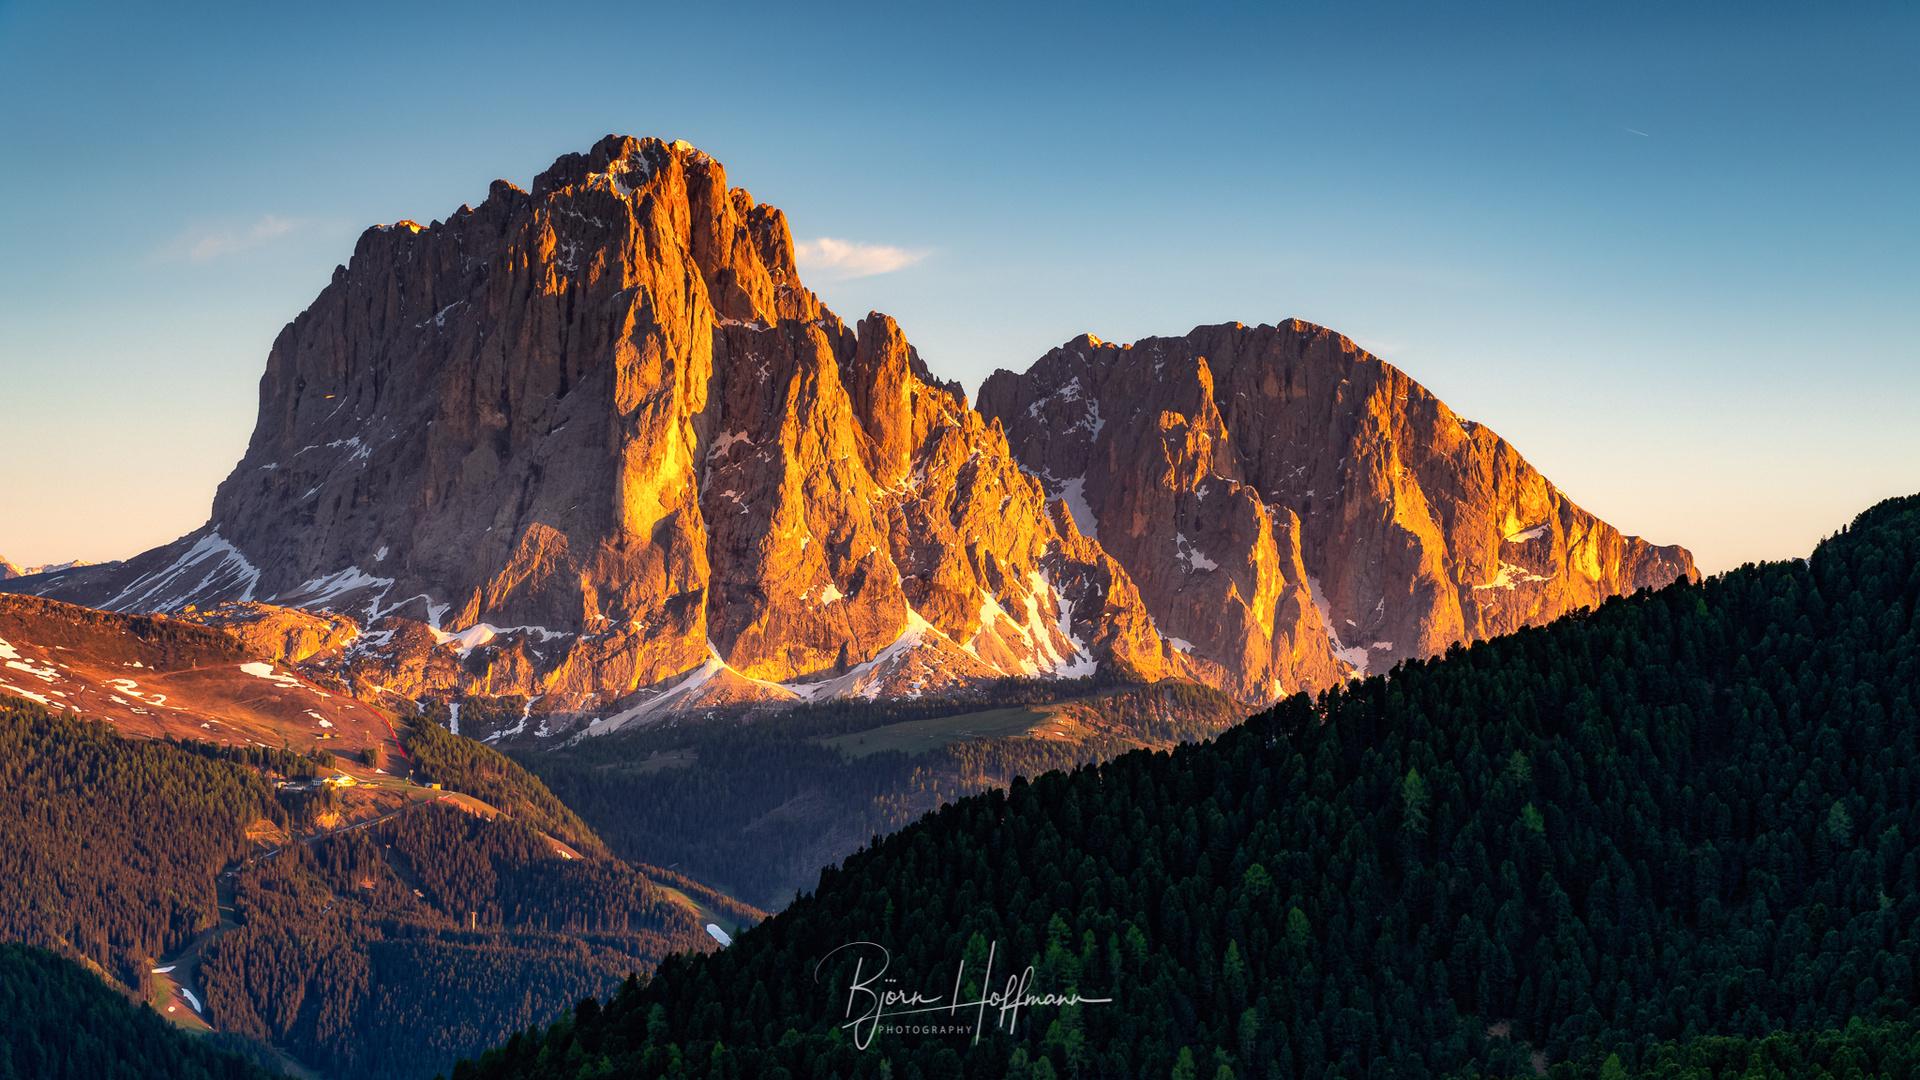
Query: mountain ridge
{"x":595,"y":443}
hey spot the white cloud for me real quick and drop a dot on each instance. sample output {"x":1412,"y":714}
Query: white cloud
{"x":842,"y":259}
{"x":203,"y":243}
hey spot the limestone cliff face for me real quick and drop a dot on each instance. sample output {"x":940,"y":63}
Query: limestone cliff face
{"x":595,"y":444}
{"x":1250,"y":469}
{"x":588,"y":438}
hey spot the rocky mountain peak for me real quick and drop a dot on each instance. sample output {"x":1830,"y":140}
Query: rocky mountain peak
{"x":1410,"y":528}
{"x":595,"y":443}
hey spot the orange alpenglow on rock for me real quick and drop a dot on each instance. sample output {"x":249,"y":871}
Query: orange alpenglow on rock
{"x":595,"y":443}
{"x":1323,"y":501}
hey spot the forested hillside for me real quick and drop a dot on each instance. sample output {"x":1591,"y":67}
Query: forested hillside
{"x":485,"y":773}
{"x":1689,"y":814}
{"x":387,"y":952}
{"x":112,"y":845}
{"x":58,"y":1021}
{"x":758,"y":806}
{"x":383,"y":951}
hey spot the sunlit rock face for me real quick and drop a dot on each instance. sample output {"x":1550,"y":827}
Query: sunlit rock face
{"x":1282,"y":469}
{"x":603,"y":421}
{"x":594,"y":442}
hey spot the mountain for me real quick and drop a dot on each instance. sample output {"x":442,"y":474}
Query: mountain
{"x":8,"y":570}
{"x":1637,"y":840}
{"x":595,"y":444}
{"x":1241,"y":471}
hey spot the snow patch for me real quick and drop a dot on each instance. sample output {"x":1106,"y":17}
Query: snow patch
{"x":480,"y":634}
{"x":1184,"y":551}
{"x":526,"y":713}
{"x":619,"y":174}
{"x":1074,"y":493}
{"x":132,"y":690}
{"x":321,"y":591}
{"x":1356,"y":656}
{"x":1511,"y":576}
{"x":453,"y":717}
{"x":225,"y":569}
{"x":1525,"y":535}
{"x":694,"y":680}
{"x":1091,"y":422}
{"x":990,"y":615}
{"x":725,"y":441}
{"x":1043,"y":634}
{"x":263,"y":670}
{"x":917,"y":630}
{"x":30,"y":695}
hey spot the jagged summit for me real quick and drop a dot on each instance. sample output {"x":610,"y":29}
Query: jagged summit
{"x":9,"y":570}
{"x":595,"y":442}
{"x":1330,"y":480}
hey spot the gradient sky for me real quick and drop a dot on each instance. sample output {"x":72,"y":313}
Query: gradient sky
{"x":1669,"y":251}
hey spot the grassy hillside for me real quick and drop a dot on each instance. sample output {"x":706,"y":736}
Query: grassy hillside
{"x":1690,"y":814}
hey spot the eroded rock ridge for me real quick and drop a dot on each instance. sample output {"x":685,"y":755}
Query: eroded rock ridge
{"x":595,"y":443}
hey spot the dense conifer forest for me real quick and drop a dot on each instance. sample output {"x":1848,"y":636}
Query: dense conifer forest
{"x":58,"y":1021}
{"x":758,"y":806}
{"x":1670,"y":837}
{"x":379,"y":952}
{"x":112,"y":845}
{"x":386,"y":952}
{"x":441,"y":757}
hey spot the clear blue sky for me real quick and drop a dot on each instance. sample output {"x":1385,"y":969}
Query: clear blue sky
{"x":1669,"y":251}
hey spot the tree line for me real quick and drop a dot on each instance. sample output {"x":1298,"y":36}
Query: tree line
{"x":760,"y":805}
{"x":1687,"y":816}
{"x":388,"y":951}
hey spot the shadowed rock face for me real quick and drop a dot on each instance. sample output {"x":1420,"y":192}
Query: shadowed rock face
{"x":596,"y":437}
{"x":1238,"y":464}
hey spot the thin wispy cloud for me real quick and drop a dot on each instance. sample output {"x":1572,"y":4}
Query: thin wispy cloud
{"x":203,"y":243}
{"x":842,"y":259}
